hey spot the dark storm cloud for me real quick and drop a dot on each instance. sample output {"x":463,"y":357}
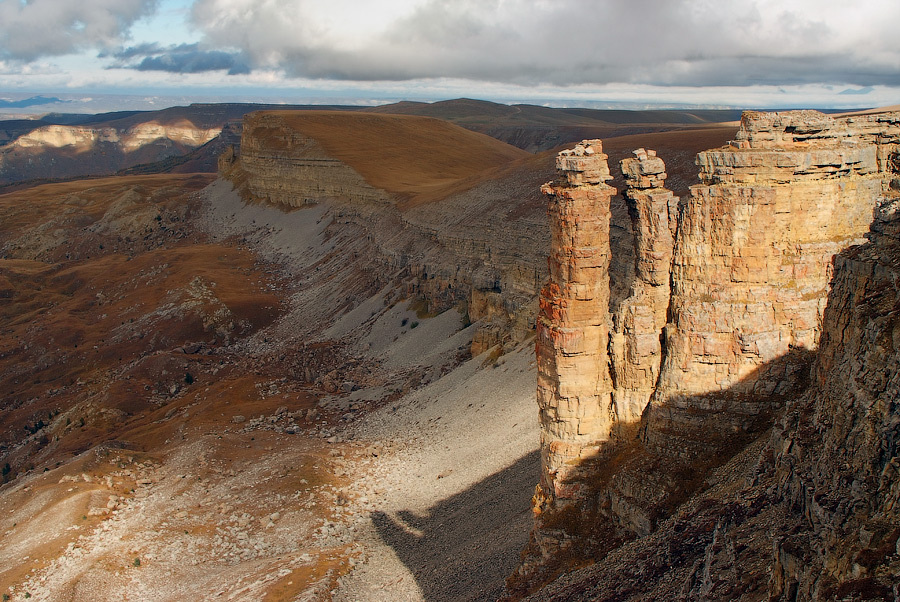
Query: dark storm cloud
{"x":182,"y":58}
{"x":39,"y":28}
{"x":563,"y":42}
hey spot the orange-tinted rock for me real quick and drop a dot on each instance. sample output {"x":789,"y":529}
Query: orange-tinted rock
{"x":639,"y":322}
{"x":724,"y":313}
{"x":753,"y":261}
{"x":574,"y":384}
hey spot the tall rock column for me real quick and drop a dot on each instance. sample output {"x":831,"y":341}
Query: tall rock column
{"x":574,"y":389}
{"x":639,"y":323}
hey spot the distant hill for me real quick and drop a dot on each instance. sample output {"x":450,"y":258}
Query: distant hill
{"x":536,"y":128}
{"x":62,"y":146}
{"x":30,"y":102}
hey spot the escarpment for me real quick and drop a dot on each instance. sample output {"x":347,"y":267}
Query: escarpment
{"x":65,"y":151}
{"x":719,"y":328}
{"x":809,"y":510}
{"x":753,"y":261}
{"x":839,"y":457}
{"x":452,"y":215}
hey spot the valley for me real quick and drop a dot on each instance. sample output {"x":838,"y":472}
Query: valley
{"x":311,"y":374}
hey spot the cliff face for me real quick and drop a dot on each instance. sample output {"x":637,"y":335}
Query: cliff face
{"x":753,"y":261}
{"x":810,"y":510}
{"x":289,"y":168}
{"x":61,"y":151}
{"x":479,"y":248}
{"x":839,"y":457}
{"x":720,"y":323}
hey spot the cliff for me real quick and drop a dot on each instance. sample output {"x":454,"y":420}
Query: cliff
{"x":719,"y":327}
{"x":451,"y":215}
{"x":63,"y":151}
{"x":838,"y":463}
{"x":808,"y":511}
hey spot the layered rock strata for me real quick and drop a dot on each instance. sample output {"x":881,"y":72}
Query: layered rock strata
{"x":480,"y":249}
{"x":839,"y":457}
{"x":574,"y":389}
{"x":723,"y":318}
{"x":289,"y":168}
{"x":752,"y":264}
{"x":810,"y":512}
{"x":636,"y":344}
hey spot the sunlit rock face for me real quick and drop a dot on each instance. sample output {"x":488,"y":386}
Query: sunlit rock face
{"x":723,"y":316}
{"x":753,"y":261}
{"x":636,"y":342}
{"x":574,"y":384}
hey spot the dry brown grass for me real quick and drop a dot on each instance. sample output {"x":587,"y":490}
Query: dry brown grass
{"x":413,"y":157}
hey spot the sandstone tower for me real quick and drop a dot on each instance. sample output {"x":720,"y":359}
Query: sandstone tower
{"x":726,"y":306}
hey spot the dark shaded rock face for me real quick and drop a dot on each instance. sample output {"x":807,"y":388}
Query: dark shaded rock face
{"x":838,"y":463}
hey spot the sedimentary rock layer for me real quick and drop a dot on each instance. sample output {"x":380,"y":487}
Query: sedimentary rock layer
{"x":574,"y":384}
{"x":639,"y":322}
{"x":724,"y":314}
{"x":752,"y":265}
{"x":839,"y":459}
{"x":442,"y":219}
{"x":810,"y":512}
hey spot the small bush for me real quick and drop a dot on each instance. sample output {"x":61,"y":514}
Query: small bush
{"x":188,"y":379}
{"x":137,"y":562}
{"x":414,"y":324}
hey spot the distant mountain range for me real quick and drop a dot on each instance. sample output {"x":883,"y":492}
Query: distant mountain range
{"x":30,"y":102}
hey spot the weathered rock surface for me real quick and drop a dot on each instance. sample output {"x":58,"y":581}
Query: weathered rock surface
{"x":574,"y":384}
{"x":837,"y":450}
{"x":479,"y":249}
{"x":807,"y":511}
{"x":639,"y":321}
{"x":723,"y":319}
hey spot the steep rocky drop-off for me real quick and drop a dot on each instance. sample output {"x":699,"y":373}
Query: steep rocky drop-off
{"x":808,"y":511}
{"x":749,"y":280}
{"x":477,"y":249}
{"x":344,"y":425}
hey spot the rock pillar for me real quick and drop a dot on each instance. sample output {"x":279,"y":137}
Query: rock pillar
{"x":636,"y":342}
{"x":574,"y":386}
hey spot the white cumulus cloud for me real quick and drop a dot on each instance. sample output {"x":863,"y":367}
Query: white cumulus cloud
{"x":31,"y":29}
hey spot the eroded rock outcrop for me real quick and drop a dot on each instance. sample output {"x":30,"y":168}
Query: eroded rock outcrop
{"x":479,"y":249}
{"x":810,"y":511}
{"x":722,"y":322}
{"x":288,"y":167}
{"x":839,"y":447}
{"x":752,"y":265}
{"x":574,"y":388}
{"x":636,"y":343}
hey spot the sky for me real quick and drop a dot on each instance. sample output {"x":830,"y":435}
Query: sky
{"x":716,"y":53}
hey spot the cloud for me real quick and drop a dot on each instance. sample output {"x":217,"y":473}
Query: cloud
{"x":565,"y":42}
{"x":181,"y":58}
{"x":32,"y":29}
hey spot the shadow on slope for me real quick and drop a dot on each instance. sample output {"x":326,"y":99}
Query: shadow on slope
{"x":467,"y":545}
{"x":639,"y":482}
